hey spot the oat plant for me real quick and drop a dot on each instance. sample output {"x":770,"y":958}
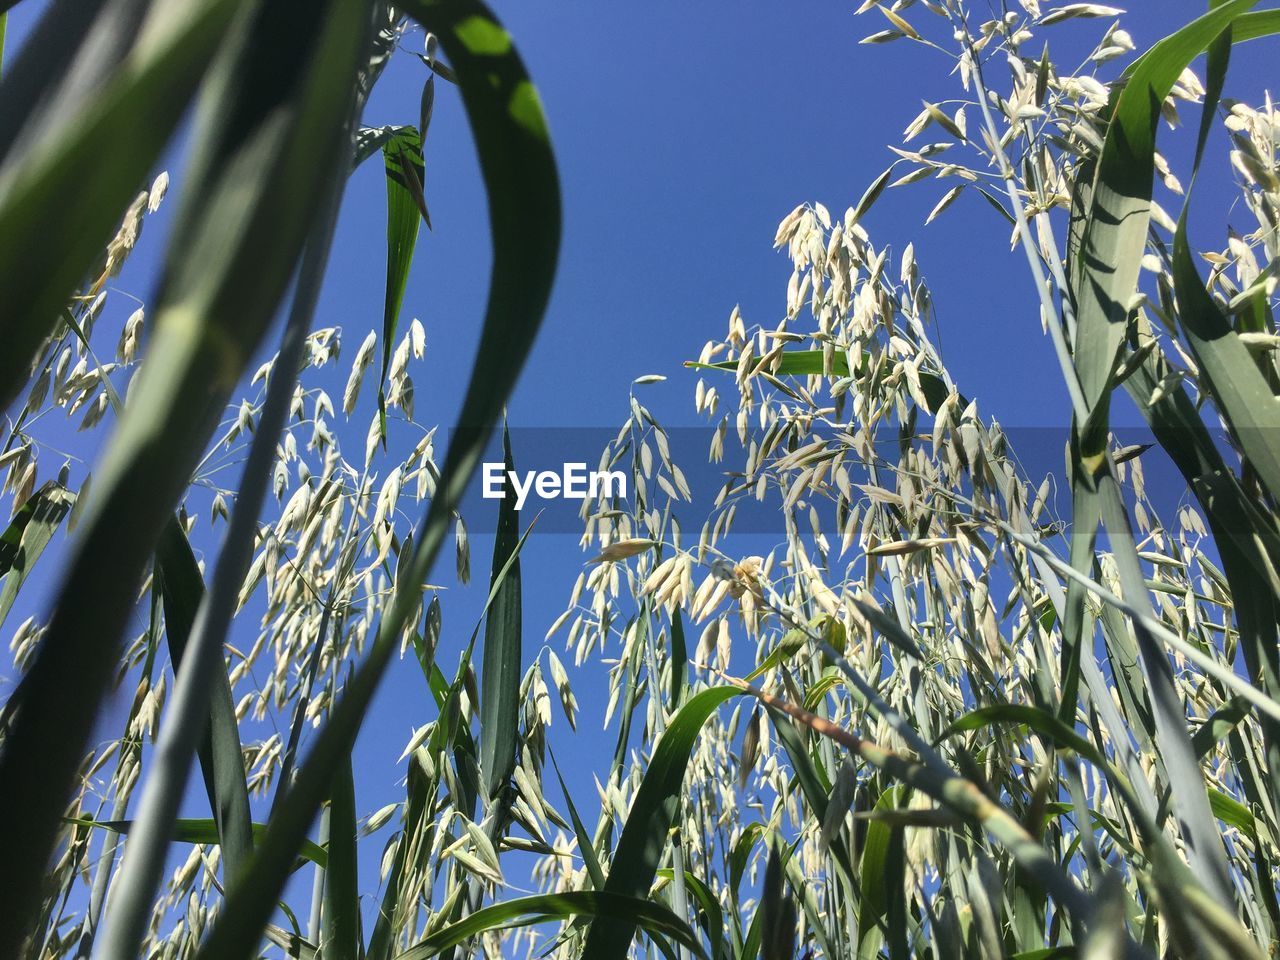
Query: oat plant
{"x":925,"y":711}
{"x":957,"y":723}
{"x":278,"y":90}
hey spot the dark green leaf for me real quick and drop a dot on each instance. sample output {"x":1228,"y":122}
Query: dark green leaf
{"x":777,"y":912}
{"x":585,"y":847}
{"x":63,"y":194}
{"x":882,"y":878}
{"x":221,"y":762}
{"x":653,"y":811}
{"x":406,"y":208}
{"x":501,"y":665}
{"x":679,"y":661}
{"x":204,"y":830}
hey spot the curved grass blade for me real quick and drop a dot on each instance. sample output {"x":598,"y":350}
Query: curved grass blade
{"x":180,"y":731}
{"x":1238,"y":387}
{"x":635,"y":861}
{"x":1230,"y":372}
{"x":1108,"y":246}
{"x":608,"y":908}
{"x":1252,"y":412}
{"x":1113,"y":234}
{"x":1255,"y":24}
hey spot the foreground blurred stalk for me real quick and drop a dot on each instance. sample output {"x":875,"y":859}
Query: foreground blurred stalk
{"x":92,"y":71}
{"x":184,"y":721}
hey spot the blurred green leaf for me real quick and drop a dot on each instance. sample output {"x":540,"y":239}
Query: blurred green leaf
{"x":272,"y":131}
{"x":520,"y":175}
{"x":62,"y":195}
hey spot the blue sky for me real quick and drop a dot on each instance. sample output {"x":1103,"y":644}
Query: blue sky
{"x":684,"y":132}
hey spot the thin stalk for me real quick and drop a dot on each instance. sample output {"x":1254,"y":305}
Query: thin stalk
{"x":1060,"y":348}
{"x":101,"y":878}
{"x":300,"y":711}
{"x":679,"y":896}
{"x":314,"y":918}
{"x":1207,"y":663}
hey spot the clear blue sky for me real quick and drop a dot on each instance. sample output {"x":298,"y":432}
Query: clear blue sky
{"x":684,"y":132}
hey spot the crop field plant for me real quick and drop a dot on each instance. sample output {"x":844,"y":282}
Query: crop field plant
{"x":951,"y":710}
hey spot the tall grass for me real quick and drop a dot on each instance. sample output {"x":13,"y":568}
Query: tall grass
{"x":935,"y":719}
{"x":971,"y":734}
{"x":274,"y":141}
